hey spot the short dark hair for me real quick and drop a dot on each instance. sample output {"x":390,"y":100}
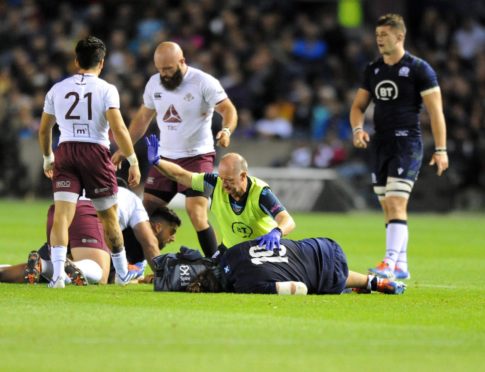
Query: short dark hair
{"x":165,"y":214}
{"x":206,"y":281}
{"x":392,"y":20}
{"x":89,"y":52}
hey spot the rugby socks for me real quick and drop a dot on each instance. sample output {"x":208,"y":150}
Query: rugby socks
{"x":396,"y":235}
{"x":47,"y":269}
{"x":402,"y":259}
{"x":91,"y":270}
{"x":58,"y":258}
{"x":207,"y":241}
{"x":120,"y":263}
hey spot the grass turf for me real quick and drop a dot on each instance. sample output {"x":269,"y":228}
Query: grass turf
{"x":437,"y":325}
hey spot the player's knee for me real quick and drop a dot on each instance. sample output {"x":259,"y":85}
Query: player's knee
{"x":398,"y":188}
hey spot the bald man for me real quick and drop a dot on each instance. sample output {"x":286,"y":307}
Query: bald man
{"x":244,"y":206}
{"x":183,"y":99}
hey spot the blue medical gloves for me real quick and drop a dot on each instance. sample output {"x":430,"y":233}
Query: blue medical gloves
{"x":271,"y":240}
{"x":152,"y":149}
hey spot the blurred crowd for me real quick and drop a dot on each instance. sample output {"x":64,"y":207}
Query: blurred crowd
{"x":290,"y":67}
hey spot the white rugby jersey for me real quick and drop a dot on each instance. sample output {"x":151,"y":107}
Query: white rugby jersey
{"x":130,"y":209}
{"x":184,"y":115}
{"x":79,"y":104}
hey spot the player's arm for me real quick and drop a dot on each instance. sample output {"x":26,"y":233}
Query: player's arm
{"x":285,"y":222}
{"x":123,"y":140}
{"x":47,"y":121}
{"x":228,"y":112}
{"x":357,"y":117}
{"x":171,"y":170}
{"x":433,"y":103}
{"x":148,"y":241}
{"x":138,"y":126}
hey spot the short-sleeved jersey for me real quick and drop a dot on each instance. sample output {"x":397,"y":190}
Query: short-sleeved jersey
{"x":317,"y":262}
{"x":130,"y":209}
{"x":397,"y":92}
{"x":79,"y":104}
{"x":184,"y":115}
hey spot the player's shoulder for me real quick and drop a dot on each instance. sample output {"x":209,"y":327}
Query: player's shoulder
{"x":374,"y":64}
{"x":196,"y":75}
{"x":417,"y":63}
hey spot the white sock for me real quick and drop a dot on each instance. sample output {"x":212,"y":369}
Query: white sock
{"x":396,"y":232}
{"x":47,"y":268}
{"x":120,"y":263}
{"x":58,"y":258}
{"x":402,"y":259}
{"x":91,"y":270}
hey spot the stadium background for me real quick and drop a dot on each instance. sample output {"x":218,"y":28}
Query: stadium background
{"x":291,"y":68}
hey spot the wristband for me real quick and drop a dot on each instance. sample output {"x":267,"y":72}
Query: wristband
{"x":277,"y":228}
{"x":132,"y":159}
{"x":48,"y":159}
{"x":356,"y":129}
{"x":227,"y":131}
{"x":440,"y":150}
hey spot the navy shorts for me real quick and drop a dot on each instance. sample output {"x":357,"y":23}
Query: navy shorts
{"x":398,"y":157}
{"x":334,"y":267}
{"x":164,"y":188}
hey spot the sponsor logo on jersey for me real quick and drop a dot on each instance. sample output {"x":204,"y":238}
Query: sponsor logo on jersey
{"x":404,"y":71}
{"x":150,"y":180}
{"x":242,"y":230}
{"x":386,"y":90}
{"x":188,"y":97}
{"x":376,"y":71}
{"x":399,"y":171}
{"x":63,"y":184}
{"x":100,"y":190}
{"x":171,"y":115}
{"x":80,"y":130}
{"x":227,"y":268}
{"x":157,"y":95}
{"x":401,"y":133}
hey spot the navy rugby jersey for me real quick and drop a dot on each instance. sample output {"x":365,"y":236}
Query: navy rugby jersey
{"x":248,"y":268}
{"x":396,"y":93}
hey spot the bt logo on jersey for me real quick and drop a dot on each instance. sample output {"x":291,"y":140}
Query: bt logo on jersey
{"x":386,"y":90}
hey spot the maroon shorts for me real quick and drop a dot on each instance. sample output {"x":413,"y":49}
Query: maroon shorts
{"x":85,"y":231}
{"x":88,"y":166}
{"x":164,"y":188}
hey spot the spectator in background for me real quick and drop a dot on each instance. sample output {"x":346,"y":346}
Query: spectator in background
{"x":273,"y":125}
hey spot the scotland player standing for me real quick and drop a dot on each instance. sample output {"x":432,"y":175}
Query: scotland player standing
{"x":398,"y":83}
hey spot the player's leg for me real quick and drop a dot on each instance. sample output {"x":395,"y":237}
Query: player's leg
{"x":197,"y":207}
{"x":93,"y":262}
{"x":12,"y":274}
{"x":59,"y":238}
{"x":366,"y":283}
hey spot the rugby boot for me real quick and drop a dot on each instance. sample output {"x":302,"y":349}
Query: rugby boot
{"x":33,"y":268}
{"x":75,"y":274}
{"x":382,"y":270}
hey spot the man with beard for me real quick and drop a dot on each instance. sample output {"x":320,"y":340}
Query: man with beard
{"x":183,"y":99}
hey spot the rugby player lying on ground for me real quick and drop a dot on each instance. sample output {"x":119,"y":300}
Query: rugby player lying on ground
{"x":308,"y":266}
{"x":144,"y":238}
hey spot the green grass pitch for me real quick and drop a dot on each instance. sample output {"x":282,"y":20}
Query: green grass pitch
{"x":437,"y":325}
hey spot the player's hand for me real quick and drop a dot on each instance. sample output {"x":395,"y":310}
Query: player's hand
{"x":223,"y":139}
{"x":361,"y":139}
{"x":271,"y":240}
{"x":49,"y":165}
{"x":134,"y":175}
{"x":440,"y":159}
{"x":117,"y":159}
{"x":152,"y":149}
{"x":148,"y":279}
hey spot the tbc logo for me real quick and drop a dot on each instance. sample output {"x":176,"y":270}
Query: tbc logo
{"x":386,"y":90}
{"x":241,"y":229}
